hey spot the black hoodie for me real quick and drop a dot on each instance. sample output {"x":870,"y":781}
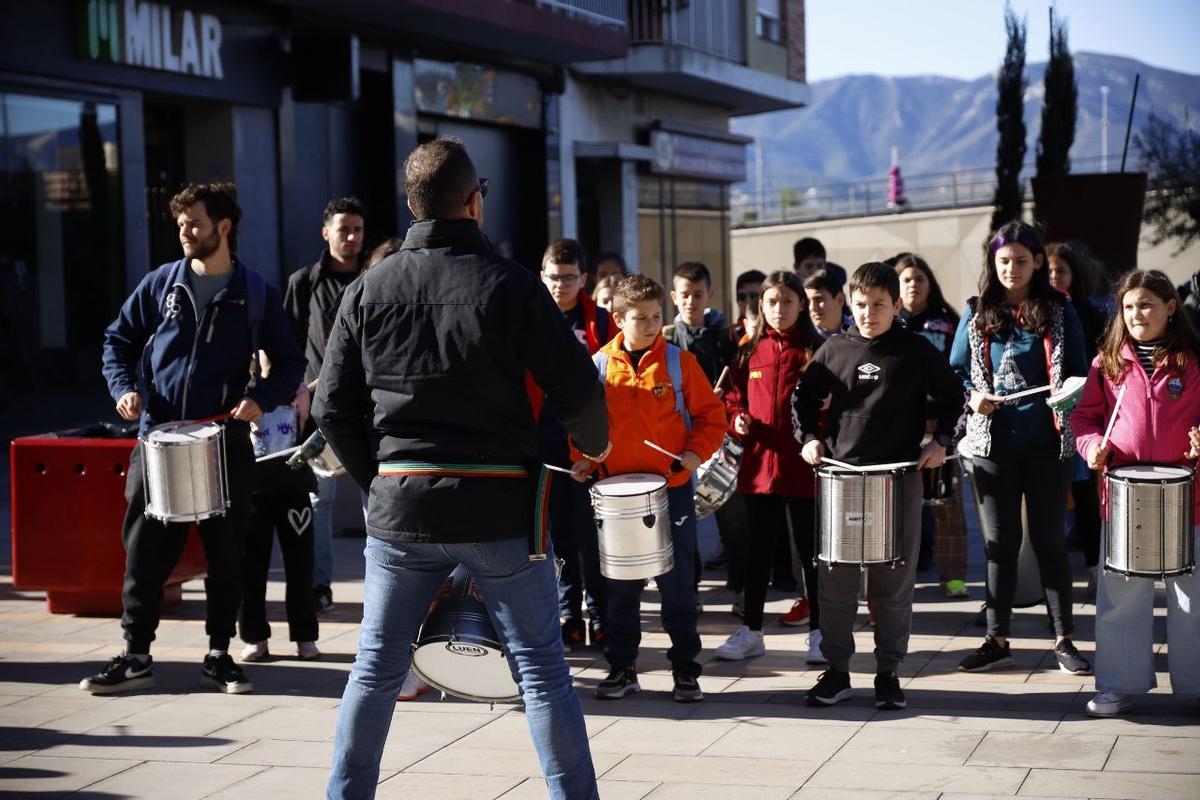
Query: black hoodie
{"x":880,"y":389}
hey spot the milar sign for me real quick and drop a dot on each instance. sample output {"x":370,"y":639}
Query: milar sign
{"x":151,"y":35}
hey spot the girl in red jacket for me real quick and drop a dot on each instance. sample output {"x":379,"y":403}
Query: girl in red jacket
{"x":773,"y":477}
{"x":1151,"y":350}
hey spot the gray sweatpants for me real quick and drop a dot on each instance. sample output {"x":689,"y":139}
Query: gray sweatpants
{"x":890,"y":590}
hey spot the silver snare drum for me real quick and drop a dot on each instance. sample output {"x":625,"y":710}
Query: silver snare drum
{"x":633,"y":526}
{"x":458,"y":650}
{"x":1150,"y":520}
{"x":716,"y":480}
{"x":184,"y":471}
{"x":859,"y":516}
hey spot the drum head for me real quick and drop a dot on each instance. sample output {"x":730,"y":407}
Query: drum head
{"x":630,"y":485}
{"x":1150,"y":472}
{"x":185,"y":433}
{"x":470,"y":670}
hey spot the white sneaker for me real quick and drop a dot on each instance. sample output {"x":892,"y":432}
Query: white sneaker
{"x":814,"y":655}
{"x":744,"y":643}
{"x":413,"y":686}
{"x":257,"y":651}
{"x":1110,"y":704}
{"x":307,"y":651}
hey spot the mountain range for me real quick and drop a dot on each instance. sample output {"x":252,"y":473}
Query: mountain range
{"x":944,"y":124}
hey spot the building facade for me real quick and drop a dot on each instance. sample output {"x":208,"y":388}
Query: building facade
{"x":605,"y":120}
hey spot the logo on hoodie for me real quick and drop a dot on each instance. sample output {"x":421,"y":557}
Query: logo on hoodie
{"x":868,"y":372}
{"x":1175,"y":387}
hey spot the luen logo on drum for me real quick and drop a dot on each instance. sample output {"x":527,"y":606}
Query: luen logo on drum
{"x":868,"y":372}
{"x":464,"y":649}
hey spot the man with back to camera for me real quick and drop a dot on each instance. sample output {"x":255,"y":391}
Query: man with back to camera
{"x":312,"y":298}
{"x":180,"y":349}
{"x":432,"y":347}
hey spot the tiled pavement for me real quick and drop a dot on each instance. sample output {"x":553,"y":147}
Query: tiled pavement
{"x":1017,"y":732}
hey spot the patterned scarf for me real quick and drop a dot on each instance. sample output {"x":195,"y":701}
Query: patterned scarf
{"x":978,"y":438}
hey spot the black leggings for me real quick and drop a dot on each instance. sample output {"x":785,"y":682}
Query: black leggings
{"x":768,"y":515}
{"x":1037,"y":475}
{"x":1087,"y":518}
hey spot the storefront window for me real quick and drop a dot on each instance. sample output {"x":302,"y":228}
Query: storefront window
{"x":61,"y":245}
{"x":680,"y":221}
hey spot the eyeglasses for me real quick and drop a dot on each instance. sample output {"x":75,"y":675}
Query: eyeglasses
{"x":482,"y":188}
{"x":746,"y":297}
{"x":564,"y":279}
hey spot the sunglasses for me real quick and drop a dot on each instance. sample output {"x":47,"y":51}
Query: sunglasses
{"x":746,"y":297}
{"x":482,"y":188}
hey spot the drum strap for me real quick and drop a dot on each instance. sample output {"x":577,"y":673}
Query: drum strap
{"x":539,"y":533}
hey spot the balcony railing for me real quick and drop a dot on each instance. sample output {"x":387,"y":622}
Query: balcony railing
{"x":608,"y":13}
{"x":715,"y":27}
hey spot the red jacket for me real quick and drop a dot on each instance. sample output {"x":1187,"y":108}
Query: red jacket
{"x":592,"y":326}
{"x":762,"y":388}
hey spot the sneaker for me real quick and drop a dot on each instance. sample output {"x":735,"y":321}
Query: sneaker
{"x":888,"y":694}
{"x":744,"y":643}
{"x":687,"y":688}
{"x":955,"y":589}
{"x":990,"y":655}
{"x":1110,"y":704}
{"x":413,"y":687}
{"x":621,"y":681}
{"x":798,"y":615}
{"x":1069,"y":659}
{"x":227,"y":675}
{"x":814,"y":655}
{"x":574,"y":634}
{"x":738,"y":609}
{"x":306,"y":651}
{"x":596,"y":635}
{"x":255,"y":651}
{"x":832,"y":687}
{"x":324,"y":599}
{"x":122,"y":674}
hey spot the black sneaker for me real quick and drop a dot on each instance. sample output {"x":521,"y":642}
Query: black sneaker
{"x":227,"y":675}
{"x":1069,"y":659}
{"x":832,"y":687}
{"x":573,"y":634}
{"x":122,"y":674}
{"x":687,"y":688}
{"x":990,"y":655}
{"x":621,"y":681}
{"x":324,"y":597}
{"x":888,"y":694}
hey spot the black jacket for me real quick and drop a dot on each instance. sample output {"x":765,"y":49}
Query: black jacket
{"x":714,"y":347}
{"x":427,"y":362}
{"x":311,"y":300}
{"x":879,"y":391}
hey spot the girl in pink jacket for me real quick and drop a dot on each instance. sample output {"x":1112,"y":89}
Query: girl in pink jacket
{"x":1151,"y":349}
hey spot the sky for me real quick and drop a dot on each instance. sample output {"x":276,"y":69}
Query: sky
{"x":966,"y":39}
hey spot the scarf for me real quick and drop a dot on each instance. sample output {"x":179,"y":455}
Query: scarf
{"x":978,"y":438}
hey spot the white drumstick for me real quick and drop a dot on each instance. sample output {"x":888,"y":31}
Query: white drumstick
{"x":1113,"y":419}
{"x":877,"y":467}
{"x":652,"y":445}
{"x":1004,"y":398}
{"x":721,"y":378}
{"x":280,"y":454}
{"x":558,"y":469}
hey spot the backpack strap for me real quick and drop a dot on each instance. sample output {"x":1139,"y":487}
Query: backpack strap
{"x":675,"y":371}
{"x":600,"y":359}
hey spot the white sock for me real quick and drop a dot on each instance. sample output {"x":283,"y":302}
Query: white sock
{"x":217,"y":653}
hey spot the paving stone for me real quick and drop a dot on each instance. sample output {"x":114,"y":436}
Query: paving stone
{"x":511,"y":732}
{"x":1155,"y":754}
{"x":1132,"y":725}
{"x":535,"y":789}
{"x":861,"y":794}
{"x":173,"y":781}
{"x":915,"y":777}
{"x":1030,"y":722}
{"x":704,"y":791}
{"x":888,"y":745}
{"x":786,"y":740}
{"x":476,"y":761}
{"x":1049,"y":750}
{"x":293,"y":783}
{"x":713,"y":770}
{"x":1110,"y":785}
{"x":665,"y":737}
{"x":408,"y":785}
{"x":39,"y":774}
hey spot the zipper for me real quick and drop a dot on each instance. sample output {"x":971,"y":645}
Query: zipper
{"x":212,"y":324}
{"x":187,"y":380}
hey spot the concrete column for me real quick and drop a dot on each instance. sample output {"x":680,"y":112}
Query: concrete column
{"x":254,"y":170}
{"x":404,"y":116}
{"x":629,"y":215}
{"x":133,"y":188}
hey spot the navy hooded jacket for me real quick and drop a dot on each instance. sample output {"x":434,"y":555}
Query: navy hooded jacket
{"x":190,"y":363}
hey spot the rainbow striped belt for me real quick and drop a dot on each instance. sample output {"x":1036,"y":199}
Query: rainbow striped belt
{"x":539,"y":535}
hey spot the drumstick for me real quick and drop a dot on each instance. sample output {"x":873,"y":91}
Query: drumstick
{"x":313,"y":385}
{"x":558,"y":469}
{"x":652,"y":445}
{"x":1113,"y":419}
{"x":721,"y":378}
{"x":877,"y":467}
{"x":280,"y":454}
{"x":1004,"y":398}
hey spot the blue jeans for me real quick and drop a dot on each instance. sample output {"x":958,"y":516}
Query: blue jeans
{"x":521,"y":597}
{"x":323,"y":501}
{"x":1125,"y":632}
{"x":678,"y":591}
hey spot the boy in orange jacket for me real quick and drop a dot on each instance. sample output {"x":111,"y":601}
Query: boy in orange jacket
{"x":643,"y":402}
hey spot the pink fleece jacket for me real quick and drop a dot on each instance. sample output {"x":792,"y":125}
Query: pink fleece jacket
{"x":1153,"y":421}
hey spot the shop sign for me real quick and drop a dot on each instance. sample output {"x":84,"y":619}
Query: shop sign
{"x":151,"y":35}
{"x":682,"y":155}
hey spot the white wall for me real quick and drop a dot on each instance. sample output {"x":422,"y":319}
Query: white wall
{"x":951,"y":241}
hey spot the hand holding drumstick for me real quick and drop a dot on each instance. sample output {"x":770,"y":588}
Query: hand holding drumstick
{"x":1193,"y":450}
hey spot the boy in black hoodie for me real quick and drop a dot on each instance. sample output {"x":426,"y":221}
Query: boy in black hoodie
{"x":877,"y":377}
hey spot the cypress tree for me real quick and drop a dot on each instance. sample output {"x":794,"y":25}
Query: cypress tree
{"x":1010,"y":124}
{"x":1059,"y":105}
